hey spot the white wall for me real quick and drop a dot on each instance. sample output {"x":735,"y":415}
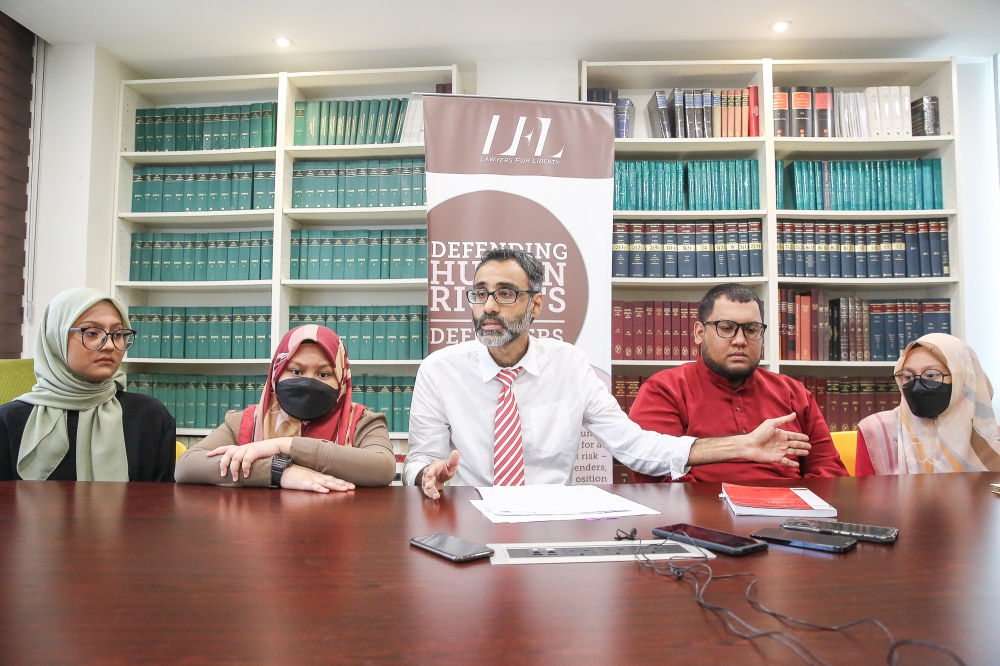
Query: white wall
{"x":532,"y":79}
{"x":979,"y":183}
{"x":75,"y":204}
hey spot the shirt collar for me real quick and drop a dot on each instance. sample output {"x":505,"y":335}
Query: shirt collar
{"x":528,"y":362}
{"x":721,"y":381}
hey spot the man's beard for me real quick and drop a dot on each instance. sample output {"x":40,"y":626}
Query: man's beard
{"x":509,"y":330}
{"x":732,"y":374}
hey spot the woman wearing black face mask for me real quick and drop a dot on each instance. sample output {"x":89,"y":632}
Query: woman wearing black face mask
{"x":306,"y":433}
{"x":944,"y":422}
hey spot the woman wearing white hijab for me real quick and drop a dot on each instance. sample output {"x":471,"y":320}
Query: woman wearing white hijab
{"x":944,"y":422}
{"x":77,"y":423}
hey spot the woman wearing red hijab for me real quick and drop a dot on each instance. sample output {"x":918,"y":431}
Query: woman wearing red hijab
{"x":305,"y":434}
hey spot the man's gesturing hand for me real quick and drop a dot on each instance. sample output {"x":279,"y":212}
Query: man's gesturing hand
{"x":437,"y":473}
{"x":768,"y":443}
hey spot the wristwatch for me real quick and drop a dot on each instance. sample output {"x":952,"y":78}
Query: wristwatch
{"x":279,"y":463}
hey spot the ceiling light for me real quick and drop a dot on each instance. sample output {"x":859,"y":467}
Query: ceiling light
{"x":781,"y":26}
{"x":282,"y":41}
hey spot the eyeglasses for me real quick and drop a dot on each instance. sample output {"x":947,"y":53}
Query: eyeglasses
{"x":502,"y":296}
{"x":94,"y":338}
{"x":752,"y":330}
{"x":929,"y":378}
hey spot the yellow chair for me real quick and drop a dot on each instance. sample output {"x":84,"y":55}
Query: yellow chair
{"x":847,"y":446}
{"x":180,"y":449}
{"x":17,"y":376}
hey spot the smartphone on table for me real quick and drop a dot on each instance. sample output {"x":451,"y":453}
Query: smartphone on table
{"x":825,"y":542}
{"x":451,"y":547}
{"x":872,"y":533}
{"x":709,"y":539}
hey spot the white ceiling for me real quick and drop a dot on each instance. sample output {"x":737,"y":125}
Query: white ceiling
{"x":201,"y":37}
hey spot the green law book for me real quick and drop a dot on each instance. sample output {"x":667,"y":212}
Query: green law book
{"x":179,"y":189}
{"x":375,"y":254}
{"x":158,"y":390}
{"x":415,"y":348}
{"x":397,"y":254}
{"x":294,"y":244}
{"x":225,"y":393}
{"x":201,"y":188}
{"x":406,"y":183}
{"x":386,"y":254}
{"x":244,"y":129}
{"x":360,"y":255}
{"x":201,"y":402}
{"x":383,"y":399}
{"x":351,"y":255}
{"x":225,"y":332}
{"x":256,"y":130}
{"x":364,"y":109}
{"x":146,"y":257}
{"x":166,"y":332}
{"x":212,"y":402}
{"x":267,"y":118}
{"x":341,"y":122}
{"x":236,"y":393}
{"x":155,"y":331}
{"x":254,"y":389}
{"x":197,"y":128}
{"x":331,"y":256}
{"x":217,"y":127}
{"x":201,"y":329}
{"x":396,"y":424}
{"x":365,"y":335}
{"x":419,"y":197}
{"x":238,"y":344}
{"x":294,"y":316}
{"x":138,"y":190}
{"x":140,"y":130}
{"x":353,"y":115}
{"x":410,"y":254}
{"x":938,"y":183}
{"x":266,"y":255}
{"x":178,"y":332}
{"x":392,"y":330}
{"x":165,"y":262}
{"x":250,"y":332}
{"x":260,"y":192}
{"x":189,"y":191}
{"x":341,"y":322}
{"x":353,"y":340}
{"x":157,"y":130}
{"x":139,"y":321}
{"x":309,"y":182}
{"x":243,"y":258}
{"x":380,"y":121}
{"x":212,"y":257}
{"x":224,"y":125}
{"x":379,"y":333}
{"x":341,"y":183}
{"x":320,"y":176}
{"x":225,"y":186}
{"x":157,"y":258}
{"x":233,"y":256}
{"x":299,"y":136}
{"x":213,"y":187}
{"x":234,"y":186}
{"x":312,"y":123}
{"x":214,"y":332}
{"x":315,"y":237}
{"x":170,"y":400}
{"x":253,"y":262}
{"x":395,"y":170}
{"x":298,"y":176}
{"x":324,"y":123}
{"x":371,"y":393}
{"x":206,"y":127}
{"x":167,"y":197}
{"x":190,"y":333}
{"x":155,"y":186}
{"x":398,"y":135}
{"x":180,"y":129}
{"x":235,"y":120}
{"x":263,"y":332}
{"x":356,"y":177}
{"x":374,"y":178}
{"x":407,"y":401}
{"x":187,"y":395}
{"x":176,"y":257}
{"x":135,"y":258}
{"x":390,"y":121}
{"x":421,"y":260}
{"x":371,"y":122}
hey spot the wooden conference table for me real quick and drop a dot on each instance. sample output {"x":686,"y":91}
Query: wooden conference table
{"x":116,"y":573}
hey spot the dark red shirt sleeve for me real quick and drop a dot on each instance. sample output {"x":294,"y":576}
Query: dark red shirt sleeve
{"x":656,"y":410}
{"x":863,"y":460}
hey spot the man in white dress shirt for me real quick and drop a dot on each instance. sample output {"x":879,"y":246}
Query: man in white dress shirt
{"x":507,"y":408}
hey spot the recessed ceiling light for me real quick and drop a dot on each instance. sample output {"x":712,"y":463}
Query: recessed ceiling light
{"x":282,"y":41}
{"x":781,"y":26}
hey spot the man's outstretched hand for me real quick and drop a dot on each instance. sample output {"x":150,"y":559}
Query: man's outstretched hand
{"x":437,"y":473}
{"x":770,"y":444}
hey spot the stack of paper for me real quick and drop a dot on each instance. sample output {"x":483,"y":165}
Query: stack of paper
{"x":777,"y":502}
{"x":525,"y":504}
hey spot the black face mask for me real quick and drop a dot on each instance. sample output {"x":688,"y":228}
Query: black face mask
{"x":927,"y":403}
{"x":305,"y":398}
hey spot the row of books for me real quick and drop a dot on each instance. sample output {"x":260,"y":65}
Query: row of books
{"x":877,"y":112}
{"x":391,"y":396}
{"x":178,"y":189}
{"x":201,"y":332}
{"x":860,"y":184}
{"x":358,"y":121}
{"x":706,"y":248}
{"x":814,"y":327}
{"x":358,"y":254}
{"x":846,"y":401}
{"x":625,"y":389}
{"x":694,"y":185}
{"x":358,"y":184}
{"x":679,"y":113}
{"x":653,"y":330}
{"x":206,"y":127}
{"x":379,"y":332}
{"x":898,"y":249}
{"x":199,"y":401}
{"x":169,"y":257}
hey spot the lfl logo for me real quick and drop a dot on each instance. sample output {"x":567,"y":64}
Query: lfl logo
{"x":510,"y":155}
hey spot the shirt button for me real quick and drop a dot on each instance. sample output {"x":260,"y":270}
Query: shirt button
{"x":737,"y":409}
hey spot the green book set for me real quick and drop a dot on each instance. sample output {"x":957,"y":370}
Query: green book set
{"x":349,"y":122}
{"x":357,"y":254}
{"x":170,"y":257}
{"x":199,"y":401}
{"x":389,"y":395}
{"x":860,"y":185}
{"x":201,"y":332}
{"x":180,"y":189}
{"x":372,"y":332}
{"x":694,"y":185}
{"x":358,"y":184}
{"x":206,"y":127}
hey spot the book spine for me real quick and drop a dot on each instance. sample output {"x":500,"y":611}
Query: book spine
{"x":801,"y":120}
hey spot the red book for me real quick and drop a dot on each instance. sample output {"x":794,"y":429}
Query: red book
{"x":806,"y":328}
{"x":617,"y":330}
{"x":754,"y":125}
{"x":764,"y":498}
{"x":631,"y":391}
{"x":685,"y":332}
{"x":618,"y":390}
{"x":675,"y":331}
{"x":833,"y":404}
{"x":658,"y":331}
{"x":650,"y":330}
{"x":638,"y":331}
{"x":695,"y":349}
{"x":798,"y":325}
{"x":820,"y":393}
{"x":814,"y":325}
{"x":627,"y":330}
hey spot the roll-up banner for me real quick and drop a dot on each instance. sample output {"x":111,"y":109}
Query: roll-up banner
{"x":528,"y":175}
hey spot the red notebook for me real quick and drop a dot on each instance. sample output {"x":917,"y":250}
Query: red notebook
{"x":757,"y":501}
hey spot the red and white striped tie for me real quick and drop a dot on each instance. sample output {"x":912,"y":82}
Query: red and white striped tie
{"x":508,"y":457}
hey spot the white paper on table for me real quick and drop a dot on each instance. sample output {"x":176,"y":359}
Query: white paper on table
{"x":558,"y":501}
{"x":497,"y":518}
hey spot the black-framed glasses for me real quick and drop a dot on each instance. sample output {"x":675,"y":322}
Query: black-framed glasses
{"x":502,"y":296}
{"x":752,"y":330}
{"x":929,"y":378}
{"x":94,"y":337}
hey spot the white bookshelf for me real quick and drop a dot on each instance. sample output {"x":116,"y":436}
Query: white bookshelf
{"x":925,"y":76}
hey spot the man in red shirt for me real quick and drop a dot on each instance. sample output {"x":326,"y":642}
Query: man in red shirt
{"x":724,"y":391}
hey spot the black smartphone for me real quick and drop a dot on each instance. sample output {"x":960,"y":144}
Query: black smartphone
{"x":857,"y":531}
{"x":452,"y":548}
{"x":709,"y":539}
{"x":824,"y":542}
